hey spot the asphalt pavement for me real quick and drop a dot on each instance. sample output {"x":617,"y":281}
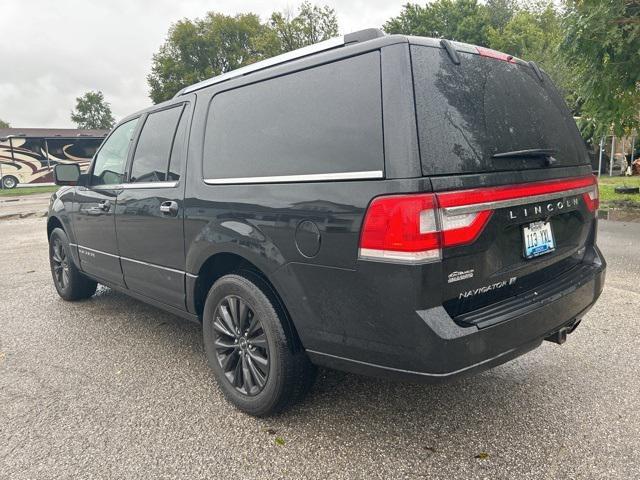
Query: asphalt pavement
{"x":113,"y":388}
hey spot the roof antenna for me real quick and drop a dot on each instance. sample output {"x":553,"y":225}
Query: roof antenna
{"x":453,"y":55}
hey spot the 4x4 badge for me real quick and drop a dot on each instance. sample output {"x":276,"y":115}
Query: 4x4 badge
{"x":460,"y":275}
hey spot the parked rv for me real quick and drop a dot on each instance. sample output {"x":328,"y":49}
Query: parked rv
{"x":28,"y":155}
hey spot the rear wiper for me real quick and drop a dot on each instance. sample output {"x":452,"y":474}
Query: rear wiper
{"x":533,"y":152}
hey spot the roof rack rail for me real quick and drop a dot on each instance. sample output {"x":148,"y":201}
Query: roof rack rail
{"x":350,"y":38}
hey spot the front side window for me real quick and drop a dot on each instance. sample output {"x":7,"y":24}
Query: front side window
{"x":110,"y":162}
{"x":153,"y":152}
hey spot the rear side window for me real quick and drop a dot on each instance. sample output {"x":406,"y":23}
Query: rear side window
{"x":468,"y":112}
{"x":327,"y":119}
{"x":153,"y":151}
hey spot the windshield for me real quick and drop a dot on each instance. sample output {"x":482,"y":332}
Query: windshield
{"x":469,"y":112}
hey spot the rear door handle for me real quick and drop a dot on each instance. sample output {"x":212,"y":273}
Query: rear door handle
{"x":169,"y":208}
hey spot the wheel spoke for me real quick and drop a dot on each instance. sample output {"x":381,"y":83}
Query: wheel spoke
{"x":247,"y":378}
{"x":65,"y":277}
{"x":243,"y":309}
{"x":233,"y":311}
{"x":259,"y":378}
{"x":259,"y":341}
{"x":253,"y":326}
{"x":237,"y":373}
{"x":226,"y":361}
{"x":226,"y":317}
{"x":220,"y":327}
{"x":224,"y":344}
{"x":260,"y":360}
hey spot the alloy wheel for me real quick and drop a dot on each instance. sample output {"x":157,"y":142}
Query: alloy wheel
{"x":241,"y":345}
{"x":60,"y":263}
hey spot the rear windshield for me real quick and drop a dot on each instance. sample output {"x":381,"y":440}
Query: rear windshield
{"x":481,"y":107}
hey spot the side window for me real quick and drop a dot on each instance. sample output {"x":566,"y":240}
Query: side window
{"x":108,"y":168}
{"x":153,"y":152}
{"x":326,"y":119}
{"x":177,"y":151}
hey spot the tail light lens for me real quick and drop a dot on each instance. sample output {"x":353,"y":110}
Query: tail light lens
{"x":592,"y":197}
{"x":415,"y":228}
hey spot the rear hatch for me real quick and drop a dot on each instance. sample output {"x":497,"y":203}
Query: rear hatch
{"x":510,"y":174}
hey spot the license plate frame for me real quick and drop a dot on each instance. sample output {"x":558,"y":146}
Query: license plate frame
{"x":537,"y":239}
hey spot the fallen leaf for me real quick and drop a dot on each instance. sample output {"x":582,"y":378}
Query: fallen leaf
{"x":279,"y":441}
{"x":429,"y":449}
{"x":482,"y":455}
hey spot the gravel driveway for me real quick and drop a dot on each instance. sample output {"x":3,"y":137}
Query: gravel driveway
{"x":113,"y":388}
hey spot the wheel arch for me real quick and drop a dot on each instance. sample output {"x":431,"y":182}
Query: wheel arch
{"x":52,"y":223}
{"x":223,"y":263}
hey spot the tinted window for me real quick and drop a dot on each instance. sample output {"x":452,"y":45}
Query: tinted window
{"x":151,"y":159}
{"x":111,"y":159}
{"x":468,"y":112}
{"x":323,"y":120}
{"x":177,"y":150}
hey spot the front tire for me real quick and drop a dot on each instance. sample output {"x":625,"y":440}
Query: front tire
{"x":70,"y":283}
{"x":252,"y":356}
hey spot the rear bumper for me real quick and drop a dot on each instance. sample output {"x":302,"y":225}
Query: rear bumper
{"x":440,"y":348}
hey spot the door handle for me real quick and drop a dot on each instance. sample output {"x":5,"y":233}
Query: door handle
{"x":102,"y":207}
{"x":169,"y":208}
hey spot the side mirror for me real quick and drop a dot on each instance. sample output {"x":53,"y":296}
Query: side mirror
{"x":66,"y":174}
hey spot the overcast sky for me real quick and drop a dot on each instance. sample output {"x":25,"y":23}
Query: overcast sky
{"x":53,"y":51}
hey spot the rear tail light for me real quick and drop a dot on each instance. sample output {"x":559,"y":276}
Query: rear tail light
{"x":592,"y":197}
{"x":415,"y":228}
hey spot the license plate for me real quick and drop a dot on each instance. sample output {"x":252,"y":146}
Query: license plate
{"x":538,"y":239}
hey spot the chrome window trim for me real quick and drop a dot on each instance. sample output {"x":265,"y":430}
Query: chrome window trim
{"x":477,"y":207}
{"x":313,"y":177}
{"x":278,"y":59}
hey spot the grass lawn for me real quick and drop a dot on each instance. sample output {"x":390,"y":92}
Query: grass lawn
{"x":20,"y":191}
{"x":610,"y":199}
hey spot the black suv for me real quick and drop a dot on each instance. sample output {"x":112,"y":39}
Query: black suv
{"x":388,"y":205}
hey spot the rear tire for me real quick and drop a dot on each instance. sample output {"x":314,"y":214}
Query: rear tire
{"x":254,"y":360}
{"x":70,"y":283}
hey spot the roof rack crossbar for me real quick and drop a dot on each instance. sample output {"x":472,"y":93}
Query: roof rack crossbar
{"x":335,"y":42}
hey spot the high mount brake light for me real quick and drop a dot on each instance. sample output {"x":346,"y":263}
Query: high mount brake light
{"x":489,"y":53}
{"x":415,"y":228}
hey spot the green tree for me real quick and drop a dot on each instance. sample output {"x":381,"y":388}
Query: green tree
{"x":461,"y":20}
{"x":4,"y":124}
{"x":203,"y":48}
{"x":312,"y":24}
{"x":602,"y":44}
{"x":92,"y":112}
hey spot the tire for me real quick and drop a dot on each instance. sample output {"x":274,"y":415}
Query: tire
{"x":9,"y":182}
{"x":70,"y":283}
{"x":243,"y":302}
